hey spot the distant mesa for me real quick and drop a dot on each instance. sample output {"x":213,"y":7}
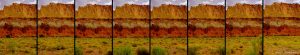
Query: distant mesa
{"x":57,"y":10}
{"x":169,"y":12}
{"x":204,"y":11}
{"x":1,"y":14}
{"x":244,"y":11}
{"x":19,"y":11}
{"x":94,"y":11}
{"x":282,"y":10}
{"x":132,"y":11}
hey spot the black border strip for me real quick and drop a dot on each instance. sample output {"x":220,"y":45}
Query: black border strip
{"x":112,"y":27}
{"x":187,"y":27}
{"x":37,"y":27}
{"x":74,"y":27}
{"x":262,"y":22}
{"x":150,"y":25}
{"x":225,"y":34}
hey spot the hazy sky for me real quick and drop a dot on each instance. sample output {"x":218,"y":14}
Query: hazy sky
{"x":269,"y":2}
{"x":211,"y":2}
{"x":156,"y":3}
{"x":9,"y":2}
{"x":46,"y":2}
{"x":122,"y":2}
{"x":98,"y":2}
{"x":233,"y":2}
{"x":143,"y":2}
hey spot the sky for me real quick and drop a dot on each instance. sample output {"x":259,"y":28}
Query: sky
{"x":156,"y":3}
{"x":233,"y":2}
{"x":98,"y":2}
{"x":46,"y":2}
{"x":9,"y":2}
{"x":269,"y":2}
{"x":122,"y":2}
{"x":211,"y":2}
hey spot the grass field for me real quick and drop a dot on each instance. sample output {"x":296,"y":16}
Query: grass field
{"x":17,"y":46}
{"x":275,"y":45}
{"x":56,"y":46}
{"x":172,"y":46}
{"x":206,"y":46}
{"x":130,"y":45}
{"x":282,"y":45}
{"x":93,"y":46}
{"x":243,"y":45}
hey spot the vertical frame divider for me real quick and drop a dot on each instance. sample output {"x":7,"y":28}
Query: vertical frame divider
{"x":225,"y":34}
{"x":149,"y":20}
{"x":187,"y":27}
{"x":112,"y":27}
{"x":37,"y":27}
{"x":74,"y":27}
{"x":262,"y":32}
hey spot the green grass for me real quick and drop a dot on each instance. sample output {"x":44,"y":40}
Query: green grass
{"x":78,"y":50}
{"x":206,"y":46}
{"x":123,"y":51}
{"x":158,"y":51}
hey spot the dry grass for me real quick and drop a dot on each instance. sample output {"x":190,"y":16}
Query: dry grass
{"x":282,"y":45}
{"x":56,"y":45}
{"x":15,"y":46}
{"x":206,"y":46}
{"x":243,"y":45}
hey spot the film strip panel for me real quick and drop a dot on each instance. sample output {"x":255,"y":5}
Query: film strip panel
{"x":169,"y":27}
{"x":55,"y":27}
{"x":131,"y":27}
{"x":206,"y":27}
{"x":244,"y":27}
{"x":94,"y":27}
{"x":18,"y":27}
{"x":281,"y":27}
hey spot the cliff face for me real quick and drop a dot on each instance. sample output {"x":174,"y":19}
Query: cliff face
{"x":1,"y":14}
{"x":244,"y":11}
{"x":169,"y":12}
{"x":57,"y":10}
{"x":94,"y":11}
{"x":20,"y":11}
{"x":132,"y":11}
{"x":282,"y":10}
{"x":207,"y":12}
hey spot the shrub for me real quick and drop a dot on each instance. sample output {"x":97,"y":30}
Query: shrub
{"x":192,"y":50}
{"x":78,"y":51}
{"x":142,"y":51}
{"x":158,"y":51}
{"x":122,"y":51}
{"x":255,"y":48}
{"x":12,"y":46}
{"x":222,"y":51}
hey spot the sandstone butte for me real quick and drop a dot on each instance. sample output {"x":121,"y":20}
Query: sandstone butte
{"x":244,"y":11}
{"x":282,"y":10}
{"x":207,"y":12}
{"x":281,"y":19}
{"x":132,"y":11}
{"x":169,"y":12}
{"x":1,"y":14}
{"x":94,"y":12}
{"x":19,"y":11}
{"x":57,"y":10}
